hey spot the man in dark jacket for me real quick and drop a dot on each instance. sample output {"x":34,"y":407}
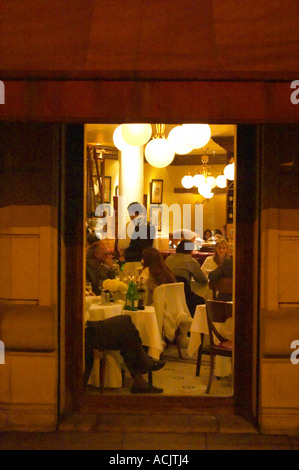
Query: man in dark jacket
{"x":140,"y":234}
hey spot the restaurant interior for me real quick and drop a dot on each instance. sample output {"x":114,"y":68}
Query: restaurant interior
{"x":120,"y":169}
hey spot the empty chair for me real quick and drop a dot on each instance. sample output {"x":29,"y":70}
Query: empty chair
{"x":217,"y":312}
{"x":172,"y":311}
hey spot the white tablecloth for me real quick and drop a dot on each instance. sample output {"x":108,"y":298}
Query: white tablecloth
{"x":223,"y":365}
{"x":145,"y":322}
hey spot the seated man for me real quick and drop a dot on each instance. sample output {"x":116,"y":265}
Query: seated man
{"x":183,"y":265}
{"x":120,"y":333}
{"x":99,"y":265}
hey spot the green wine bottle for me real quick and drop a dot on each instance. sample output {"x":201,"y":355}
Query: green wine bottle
{"x":128,"y":298}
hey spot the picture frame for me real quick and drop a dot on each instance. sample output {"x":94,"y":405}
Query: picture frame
{"x":156,"y":191}
{"x":107,"y":190}
{"x":156,"y":216}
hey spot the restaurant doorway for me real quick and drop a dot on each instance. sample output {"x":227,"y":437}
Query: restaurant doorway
{"x":244,"y":372}
{"x":108,"y":182}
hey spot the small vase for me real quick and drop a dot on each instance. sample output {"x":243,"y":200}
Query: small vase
{"x":116,"y":296}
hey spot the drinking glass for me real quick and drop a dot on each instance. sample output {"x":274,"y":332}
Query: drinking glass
{"x":88,"y":288}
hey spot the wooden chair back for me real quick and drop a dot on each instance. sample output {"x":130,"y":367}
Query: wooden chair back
{"x":217,"y":312}
{"x":223,"y":286}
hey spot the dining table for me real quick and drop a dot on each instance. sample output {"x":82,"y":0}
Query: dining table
{"x":199,"y":332}
{"x":146,"y":324}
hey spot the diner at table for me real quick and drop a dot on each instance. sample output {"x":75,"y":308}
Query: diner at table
{"x":120,"y":333}
{"x":153,"y":271}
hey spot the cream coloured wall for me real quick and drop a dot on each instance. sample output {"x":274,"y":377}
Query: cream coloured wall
{"x":214,"y":210}
{"x":112,"y":169}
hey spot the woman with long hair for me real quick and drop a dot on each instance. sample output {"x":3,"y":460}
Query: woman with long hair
{"x":221,"y":252}
{"x":155,"y":272}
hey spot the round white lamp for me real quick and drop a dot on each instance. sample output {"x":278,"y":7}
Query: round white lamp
{"x":211,"y":181}
{"x":175,"y":137}
{"x":159,"y":153}
{"x":221,"y":181}
{"x":196,"y":135}
{"x":229,"y":171}
{"x":204,"y":189}
{"x":136,"y":134}
{"x":198,"y":180}
{"x":187,"y":181}
{"x":118,"y":140}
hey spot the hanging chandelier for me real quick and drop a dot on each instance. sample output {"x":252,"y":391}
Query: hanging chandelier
{"x":203,"y":179}
{"x":160,"y":151}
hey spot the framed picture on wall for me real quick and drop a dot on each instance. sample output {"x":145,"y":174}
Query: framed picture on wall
{"x":107,"y":191}
{"x":156,"y":191}
{"x":156,"y":217}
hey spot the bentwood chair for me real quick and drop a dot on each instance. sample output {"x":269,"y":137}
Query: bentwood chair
{"x":222,"y":289}
{"x":217,"y":312}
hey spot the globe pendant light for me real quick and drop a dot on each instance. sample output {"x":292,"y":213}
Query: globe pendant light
{"x":118,"y":140}
{"x":187,"y":181}
{"x":136,"y":134}
{"x":204,"y":189}
{"x":158,"y":152}
{"x":211,"y":180}
{"x":196,"y":135}
{"x":229,"y":171}
{"x":198,"y":180}
{"x":221,"y":181}
{"x":175,"y":138}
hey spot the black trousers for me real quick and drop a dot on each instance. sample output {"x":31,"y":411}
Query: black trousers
{"x":116,"y":334}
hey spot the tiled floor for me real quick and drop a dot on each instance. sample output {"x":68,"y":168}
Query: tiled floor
{"x":177,"y":378}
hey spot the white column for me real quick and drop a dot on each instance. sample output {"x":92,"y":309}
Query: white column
{"x":130,"y":179}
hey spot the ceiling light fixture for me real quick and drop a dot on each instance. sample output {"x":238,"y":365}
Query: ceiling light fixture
{"x":203,"y":179}
{"x":158,"y":152}
{"x":176,"y":139}
{"x":229,"y":170}
{"x":136,"y":134}
{"x":196,"y":136}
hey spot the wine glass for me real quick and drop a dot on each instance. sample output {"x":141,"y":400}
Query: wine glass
{"x":88,"y":288}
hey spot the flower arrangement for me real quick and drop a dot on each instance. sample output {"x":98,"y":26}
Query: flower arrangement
{"x":114,"y":285}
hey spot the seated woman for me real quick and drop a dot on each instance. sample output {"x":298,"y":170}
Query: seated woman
{"x":155,"y":272}
{"x":221,"y":252}
{"x":207,"y":234}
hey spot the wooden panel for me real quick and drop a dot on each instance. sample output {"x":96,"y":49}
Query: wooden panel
{"x":181,"y":38}
{"x":288,"y":269}
{"x":223,"y":102}
{"x":20,"y":256}
{"x":279,"y":386}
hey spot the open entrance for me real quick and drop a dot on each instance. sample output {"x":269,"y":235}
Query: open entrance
{"x":242,"y":398}
{"x":189,"y":200}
